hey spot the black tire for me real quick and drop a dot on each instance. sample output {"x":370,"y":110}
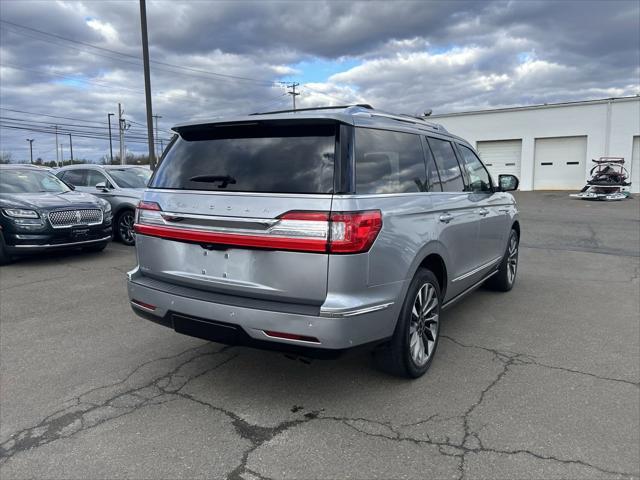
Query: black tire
{"x":504,"y":280}
{"x":124,"y":227}
{"x":98,"y":247}
{"x":397,"y":357}
{"x":5,"y":258}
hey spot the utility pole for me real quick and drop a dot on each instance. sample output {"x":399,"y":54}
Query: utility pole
{"x":156,"y":117}
{"x":71,"y":148}
{"x":30,"y":140}
{"x":57,"y":157}
{"x":109,"y":115}
{"x":147,"y":81}
{"x":121,"y":132}
{"x":61,"y":155}
{"x":293,"y":93}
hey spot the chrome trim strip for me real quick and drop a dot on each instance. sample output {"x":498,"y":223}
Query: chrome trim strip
{"x":289,"y":339}
{"x":352,"y":312}
{"x":476,"y":270}
{"x":56,"y":245}
{"x":468,"y":290}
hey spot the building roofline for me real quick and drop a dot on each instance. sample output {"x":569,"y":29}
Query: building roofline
{"x":539,"y":106}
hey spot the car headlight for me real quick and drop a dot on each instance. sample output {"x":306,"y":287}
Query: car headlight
{"x":20,"y":213}
{"x":106,"y":206}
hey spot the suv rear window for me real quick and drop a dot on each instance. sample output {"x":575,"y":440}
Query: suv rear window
{"x":251,"y":158}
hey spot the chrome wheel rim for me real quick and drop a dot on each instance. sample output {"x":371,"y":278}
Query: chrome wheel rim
{"x":125,"y":228}
{"x":423,"y":329}
{"x":512,"y":258}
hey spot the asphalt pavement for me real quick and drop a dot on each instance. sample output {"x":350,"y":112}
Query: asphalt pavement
{"x":541,"y":382}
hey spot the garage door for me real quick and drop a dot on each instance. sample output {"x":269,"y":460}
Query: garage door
{"x":634,"y":167}
{"x":560,"y":163}
{"x":501,"y":156}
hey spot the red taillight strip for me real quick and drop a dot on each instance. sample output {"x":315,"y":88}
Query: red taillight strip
{"x":253,"y":241}
{"x":146,"y":306}
{"x":291,"y":336}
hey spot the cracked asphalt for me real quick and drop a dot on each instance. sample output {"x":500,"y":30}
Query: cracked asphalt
{"x":542,"y":382}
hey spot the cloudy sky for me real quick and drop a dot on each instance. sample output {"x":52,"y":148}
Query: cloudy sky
{"x":78,"y":59}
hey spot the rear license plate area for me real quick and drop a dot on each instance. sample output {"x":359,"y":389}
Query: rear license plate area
{"x":207,"y":330}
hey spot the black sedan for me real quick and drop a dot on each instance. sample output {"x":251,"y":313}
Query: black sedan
{"x":39,"y":212}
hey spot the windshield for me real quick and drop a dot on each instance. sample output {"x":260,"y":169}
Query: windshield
{"x":251,"y":158}
{"x":30,"y":181}
{"x":130,"y":177}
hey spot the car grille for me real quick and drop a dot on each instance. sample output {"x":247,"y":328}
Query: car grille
{"x":71,"y":218}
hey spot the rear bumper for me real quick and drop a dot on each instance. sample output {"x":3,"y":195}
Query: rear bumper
{"x":239,"y":325}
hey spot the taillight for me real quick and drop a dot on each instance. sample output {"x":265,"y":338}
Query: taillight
{"x":299,"y":231}
{"x":148,"y":212}
{"x":354,"y":232}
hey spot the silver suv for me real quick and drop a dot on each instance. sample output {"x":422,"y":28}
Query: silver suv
{"x":320,"y":230}
{"x":120,"y":185}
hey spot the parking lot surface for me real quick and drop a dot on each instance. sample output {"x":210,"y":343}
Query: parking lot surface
{"x":542,"y":382}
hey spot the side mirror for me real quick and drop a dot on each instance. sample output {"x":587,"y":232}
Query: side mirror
{"x":102,"y":186}
{"x":508,"y":183}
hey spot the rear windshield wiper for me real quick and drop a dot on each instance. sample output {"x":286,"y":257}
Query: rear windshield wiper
{"x":224,"y":180}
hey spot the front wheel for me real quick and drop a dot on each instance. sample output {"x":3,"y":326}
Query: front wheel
{"x":125,"y":227}
{"x":505,"y":278}
{"x":410,"y":351}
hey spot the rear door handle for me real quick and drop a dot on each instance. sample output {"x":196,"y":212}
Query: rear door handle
{"x":446,"y":217}
{"x":483,"y":211}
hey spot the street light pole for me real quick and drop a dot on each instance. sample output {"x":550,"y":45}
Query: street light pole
{"x":30,"y":140}
{"x":109,"y":115}
{"x":71,"y":148}
{"x":147,"y":81}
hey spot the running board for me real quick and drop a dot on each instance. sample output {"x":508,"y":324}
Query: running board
{"x":468,"y":290}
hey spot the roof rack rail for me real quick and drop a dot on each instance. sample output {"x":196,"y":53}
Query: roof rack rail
{"x":361,"y":105}
{"x":401,"y":117}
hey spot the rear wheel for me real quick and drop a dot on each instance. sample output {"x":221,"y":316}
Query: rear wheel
{"x":124,"y":225}
{"x":410,"y":351}
{"x":505,"y":278}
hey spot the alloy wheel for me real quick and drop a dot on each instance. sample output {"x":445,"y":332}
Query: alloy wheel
{"x":512,"y":258}
{"x":125,"y":228}
{"x":424,"y":326}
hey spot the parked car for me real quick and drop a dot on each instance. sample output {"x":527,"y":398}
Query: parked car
{"x":320,"y":230}
{"x":38,"y":212}
{"x":121,"y":185}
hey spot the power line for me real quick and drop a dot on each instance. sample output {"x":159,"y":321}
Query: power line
{"x":50,"y":116}
{"x":156,"y":62}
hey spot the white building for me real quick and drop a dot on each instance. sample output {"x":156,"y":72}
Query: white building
{"x":550,"y":147}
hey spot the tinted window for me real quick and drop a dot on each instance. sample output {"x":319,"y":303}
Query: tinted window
{"x":76,"y":178}
{"x":389,"y":162}
{"x":131,"y":177}
{"x":479,"y":180}
{"x":450,"y":173}
{"x":30,"y":181}
{"x":433,"y":178}
{"x":251,"y":158}
{"x":94,"y":177}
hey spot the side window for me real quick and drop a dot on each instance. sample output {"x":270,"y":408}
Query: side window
{"x":450,"y":173}
{"x":94,"y":177}
{"x":75,"y":178}
{"x":479,"y":180}
{"x":389,"y":162}
{"x":433,"y":178}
